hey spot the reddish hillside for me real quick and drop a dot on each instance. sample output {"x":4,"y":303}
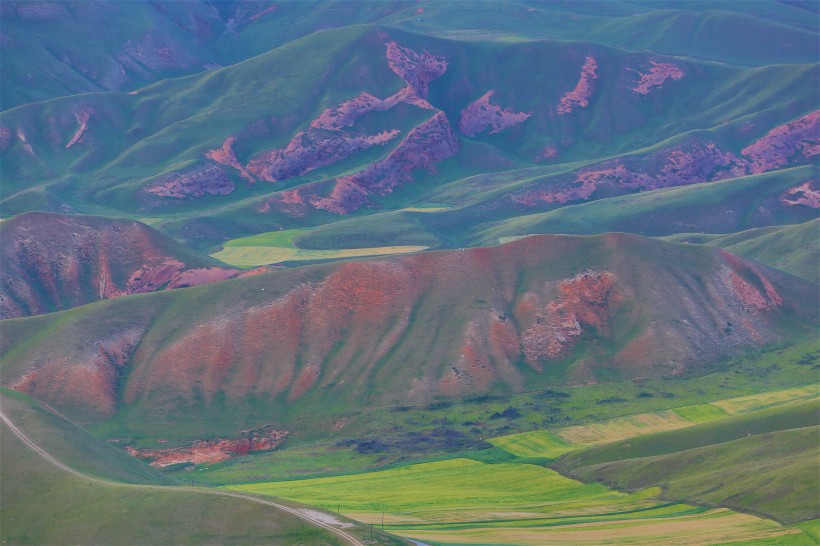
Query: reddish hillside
{"x":402,"y":330}
{"x":50,"y":262}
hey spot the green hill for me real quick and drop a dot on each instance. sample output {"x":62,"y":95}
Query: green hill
{"x":792,"y":248}
{"x":762,"y":463}
{"x":44,"y":504}
{"x":719,"y":207}
{"x":144,"y":155}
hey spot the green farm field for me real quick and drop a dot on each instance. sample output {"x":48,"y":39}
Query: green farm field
{"x":514,"y":500}
{"x":278,"y":246}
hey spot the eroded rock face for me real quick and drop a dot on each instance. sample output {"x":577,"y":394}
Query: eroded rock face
{"x":579,"y":96}
{"x":691,"y":163}
{"x":325,"y":142}
{"x":467,"y":321}
{"x":196,"y":182}
{"x":226,"y":156}
{"x":311,"y":150}
{"x":89,"y":381}
{"x":417,"y":69}
{"x":213,"y":451}
{"x":786,"y":144}
{"x":583,"y":300}
{"x":656,"y":77}
{"x":51,"y":262}
{"x":804,"y":194}
{"x":82,"y":117}
{"x":350,"y":111}
{"x":430,"y":142}
{"x":480,"y":115}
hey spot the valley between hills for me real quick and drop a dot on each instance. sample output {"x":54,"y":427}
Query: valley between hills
{"x":432,"y":273}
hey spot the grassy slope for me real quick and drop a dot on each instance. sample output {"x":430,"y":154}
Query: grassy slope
{"x":718,"y":207}
{"x":770,"y":474}
{"x":45,"y":505}
{"x":758,"y":34}
{"x":404,"y":433}
{"x":759,"y":462}
{"x":792,"y":248}
{"x":171,"y":318}
{"x":168,"y":126}
{"x":467,"y":501}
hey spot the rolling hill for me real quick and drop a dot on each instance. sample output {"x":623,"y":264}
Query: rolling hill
{"x":538,"y":311}
{"x":50,"y":262}
{"x":377,"y":117}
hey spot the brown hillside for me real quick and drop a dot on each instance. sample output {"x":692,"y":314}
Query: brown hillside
{"x":537,"y":311}
{"x":50,"y":262}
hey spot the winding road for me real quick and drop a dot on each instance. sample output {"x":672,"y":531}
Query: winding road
{"x":45,"y":455}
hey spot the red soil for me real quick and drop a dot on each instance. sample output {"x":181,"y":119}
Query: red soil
{"x":583,"y":300}
{"x":657,"y":75}
{"x":430,"y":142}
{"x":196,"y":182}
{"x":349,"y":112}
{"x":93,"y":380}
{"x":579,"y":96}
{"x":212,"y":451}
{"x":803,"y":194}
{"x":795,"y":141}
{"x":6,"y":137}
{"x":226,"y":156}
{"x":417,"y":69}
{"x":481,"y":114}
{"x":682,"y":165}
{"x":82,"y":118}
{"x":311,"y":150}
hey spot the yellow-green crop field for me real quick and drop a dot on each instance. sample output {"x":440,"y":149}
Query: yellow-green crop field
{"x":461,"y":501}
{"x":248,"y":256}
{"x":278,"y":246}
{"x":464,"y":501}
{"x":755,"y":402}
{"x":553,"y":444}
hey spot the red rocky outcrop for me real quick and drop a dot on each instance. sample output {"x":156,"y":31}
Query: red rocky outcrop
{"x":322,"y":143}
{"x":481,"y":114}
{"x":226,"y":156}
{"x":657,"y":75}
{"x":803,"y":194}
{"x":417,"y":69}
{"x":212,"y":451}
{"x":430,"y":142}
{"x":83,"y":116}
{"x":310,"y":150}
{"x":195,"y":182}
{"x":786,"y":144}
{"x":349,"y":112}
{"x":691,"y":163}
{"x":583,"y":300}
{"x":579,"y":96}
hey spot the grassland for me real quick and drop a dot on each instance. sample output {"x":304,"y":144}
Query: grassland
{"x":400,"y":431}
{"x":699,"y":207}
{"x":498,"y":499}
{"x":791,"y":248}
{"x":464,"y":501}
{"x":553,"y":444}
{"x":43,"y":504}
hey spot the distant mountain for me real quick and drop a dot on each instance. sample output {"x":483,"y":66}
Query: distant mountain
{"x":375,"y":117}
